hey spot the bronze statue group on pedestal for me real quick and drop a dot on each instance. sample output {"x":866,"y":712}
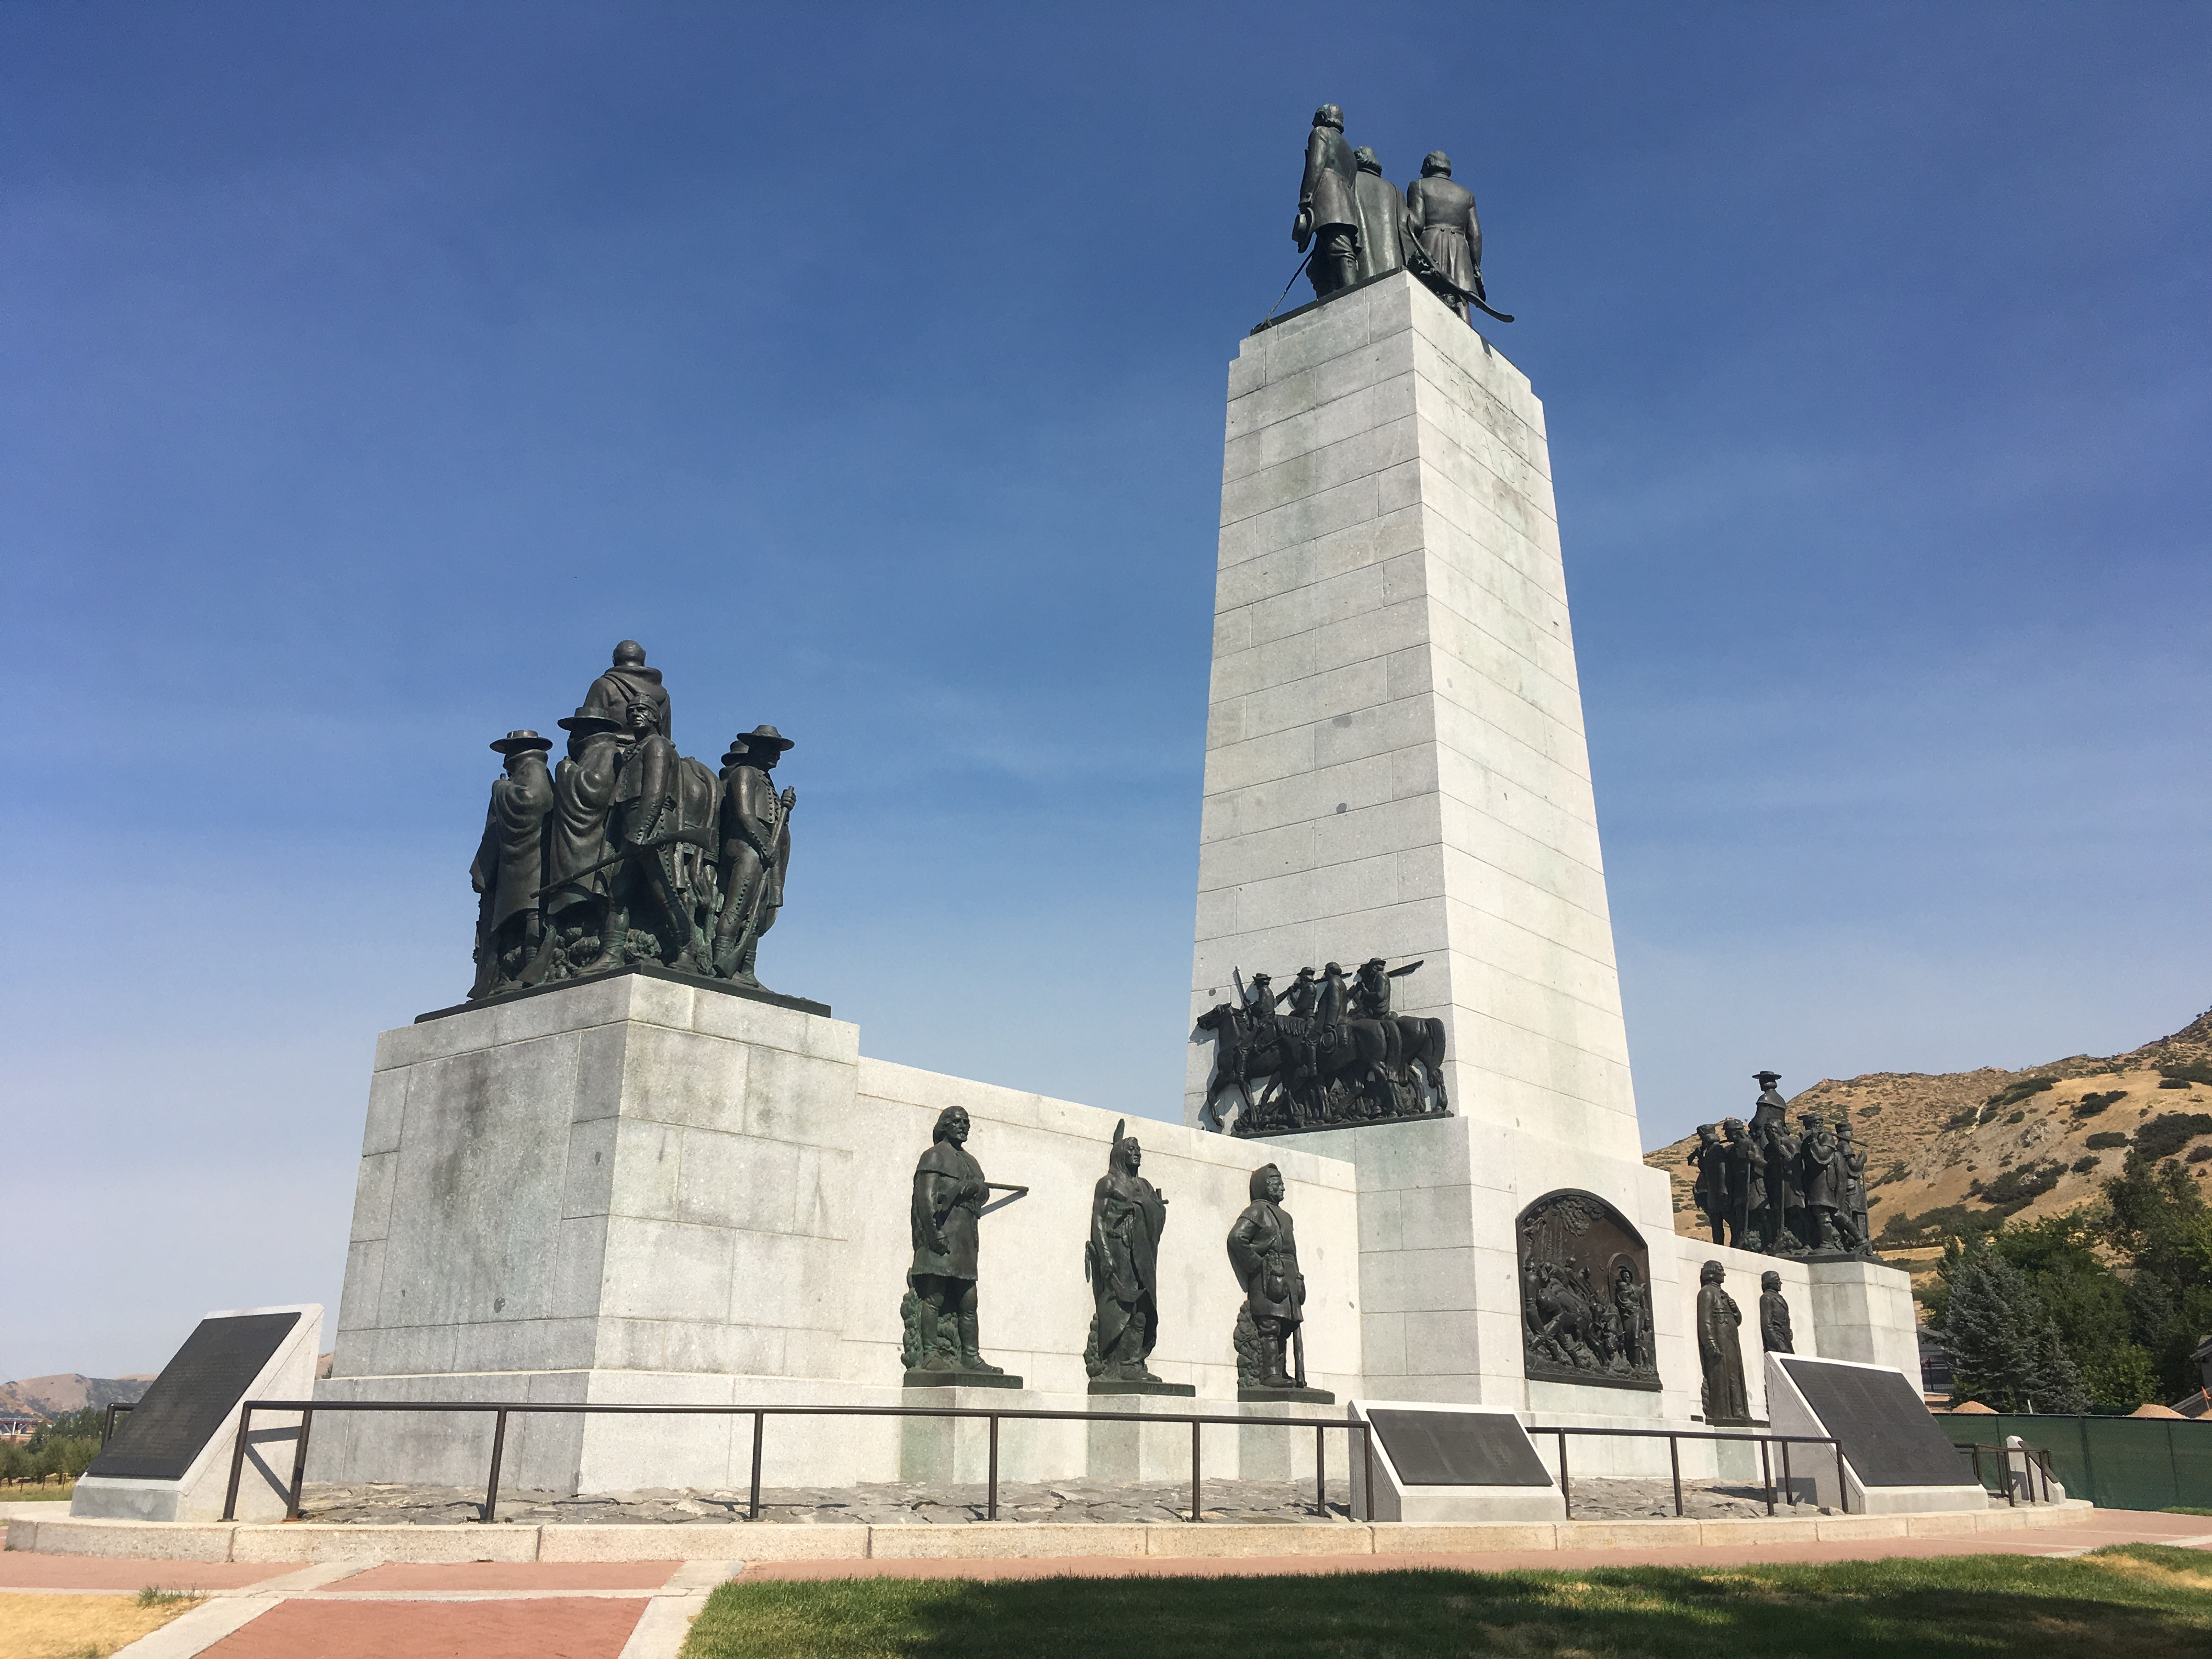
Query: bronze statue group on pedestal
{"x":628,"y":852}
{"x":1765,"y":1189}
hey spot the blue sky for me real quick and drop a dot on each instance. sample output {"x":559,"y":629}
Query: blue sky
{"x":367,"y":371}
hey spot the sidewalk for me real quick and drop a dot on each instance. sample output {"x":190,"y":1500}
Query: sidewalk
{"x":363,"y":1609}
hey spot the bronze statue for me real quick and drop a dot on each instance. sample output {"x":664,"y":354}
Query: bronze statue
{"x":1585,"y":1294}
{"x":756,"y":850}
{"x":1328,"y":206}
{"x":1263,"y":1251}
{"x":1382,"y":217}
{"x":579,"y":872}
{"x":646,"y":855}
{"x":1823,"y":1173}
{"x":1330,"y":1053}
{"x":1746,"y":1184}
{"x":1709,"y":1191}
{"x":938,"y":1310}
{"x":628,"y":681}
{"x":1633,"y":1308}
{"x":1774,"y":1334}
{"x":1785,"y":1207}
{"x":509,"y":868}
{"x":1442,"y":225}
{"x":1122,"y":1263}
{"x":1854,"y":1203}
{"x":1720,"y":1350}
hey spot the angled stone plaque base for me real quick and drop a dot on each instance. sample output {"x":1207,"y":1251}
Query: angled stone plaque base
{"x":1435,"y":1462}
{"x":170,"y":1458}
{"x":1896,"y":1460}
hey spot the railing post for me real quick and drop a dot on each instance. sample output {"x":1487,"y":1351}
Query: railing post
{"x":760,"y":1424}
{"x":1321,"y":1470}
{"x":1566,"y":1500}
{"x":299,"y":1465}
{"x":1767,"y":1471}
{"x":1197,"y":1509}
{"x":2012,"y":1497}
{"x":1367,"y":1463}
{"x":491,"y":1487}
{"x":1788,"y":1486}
{"x":237,"y":1464}
{"x":991,"y":1501}
{"x":1843,"y":1492}
{"x":1674,"y":1459}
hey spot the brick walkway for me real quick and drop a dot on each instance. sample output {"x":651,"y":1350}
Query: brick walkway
{"x":366,"y":1610}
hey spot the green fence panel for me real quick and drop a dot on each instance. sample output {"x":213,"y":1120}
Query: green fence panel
{"x":2116,"y":1462}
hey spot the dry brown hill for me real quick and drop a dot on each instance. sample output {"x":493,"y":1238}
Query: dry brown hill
{"x":59,"y":1395}
{"x":1979,"y":1145}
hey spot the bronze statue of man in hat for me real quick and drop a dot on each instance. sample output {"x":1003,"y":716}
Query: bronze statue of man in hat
{"x":942,"y":1339}
{"x":756,"y":831}
{"x":509,"y":867}
{"x":579,"y":874}
{"x":1441,"y":223}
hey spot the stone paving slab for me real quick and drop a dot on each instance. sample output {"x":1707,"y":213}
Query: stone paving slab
{"x":22,"y":1570}
{"x":538,"y":1577}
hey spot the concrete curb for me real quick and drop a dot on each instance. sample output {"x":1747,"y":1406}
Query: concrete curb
{"x":305,"y":1542}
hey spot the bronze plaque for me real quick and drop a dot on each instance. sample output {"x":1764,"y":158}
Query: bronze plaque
{"x":1585,"y":1294}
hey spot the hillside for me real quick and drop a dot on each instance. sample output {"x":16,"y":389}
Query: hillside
{"x":58,"y":1396}
{"x":1971,"y":1148}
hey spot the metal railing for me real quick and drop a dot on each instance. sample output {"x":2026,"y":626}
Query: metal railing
{"x":1674,"y":1437}
{"x":760,"y":1414}
{"x":2032,"y":1458}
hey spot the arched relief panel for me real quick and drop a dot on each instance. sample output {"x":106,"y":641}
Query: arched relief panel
{"x":1585,"y":1294}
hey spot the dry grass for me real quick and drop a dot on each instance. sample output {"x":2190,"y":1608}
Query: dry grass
{"x":38,"y":1492}
{"x":80,"y":1627}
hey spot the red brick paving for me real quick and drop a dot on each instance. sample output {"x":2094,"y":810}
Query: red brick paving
{"x":548,"y":1575}
{"x":553,"y":1628}
{"x":23,"y":1570}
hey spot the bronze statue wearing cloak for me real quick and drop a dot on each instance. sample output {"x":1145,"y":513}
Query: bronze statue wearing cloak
{"x":627,"y":680}
{"x":510,"y":867}
{"x":577,"y":850}
{"x":1122,"y":1263}
{"x":1381,"y":212}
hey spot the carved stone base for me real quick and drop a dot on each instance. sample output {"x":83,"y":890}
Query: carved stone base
{"x":1250,"y":1394}
{"x":962,"y":1380}
{"x":1119,"y":1385}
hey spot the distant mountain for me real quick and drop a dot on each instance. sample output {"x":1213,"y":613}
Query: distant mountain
{"x":58,"y":1396}
{"x":1967,"y":1148}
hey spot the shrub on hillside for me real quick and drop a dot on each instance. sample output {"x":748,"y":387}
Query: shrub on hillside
{"x":2104,"y":1139}
{"x":2013,"y":1094}
{"x":2083,"y":1166}
{"x":2189,"y":1071}
{"x":1964,"y":1120}
{"x":2090,"y":1105}
{"x":2169,"y":1132}
{"x":2017,"y":1188}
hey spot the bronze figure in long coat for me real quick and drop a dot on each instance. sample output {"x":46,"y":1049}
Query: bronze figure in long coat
{"x":581,"y":836}
{"x":1720,"y":1350}
{"x":755,"y":851}
{"x":1329,"y":205}
{"x":510,"y":863}
{"x":1381,"y":212}
{"x":1122,"y":1261}
{"x":1440,"y":218}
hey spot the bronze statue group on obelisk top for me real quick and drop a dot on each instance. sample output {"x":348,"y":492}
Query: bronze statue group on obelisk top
{"x":1353,"y":225}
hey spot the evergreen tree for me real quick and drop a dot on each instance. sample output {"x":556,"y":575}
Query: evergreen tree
{"x":2006,"y":1350}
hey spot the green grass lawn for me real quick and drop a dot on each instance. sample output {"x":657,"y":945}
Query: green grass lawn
{"x":2130,"y":1601}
